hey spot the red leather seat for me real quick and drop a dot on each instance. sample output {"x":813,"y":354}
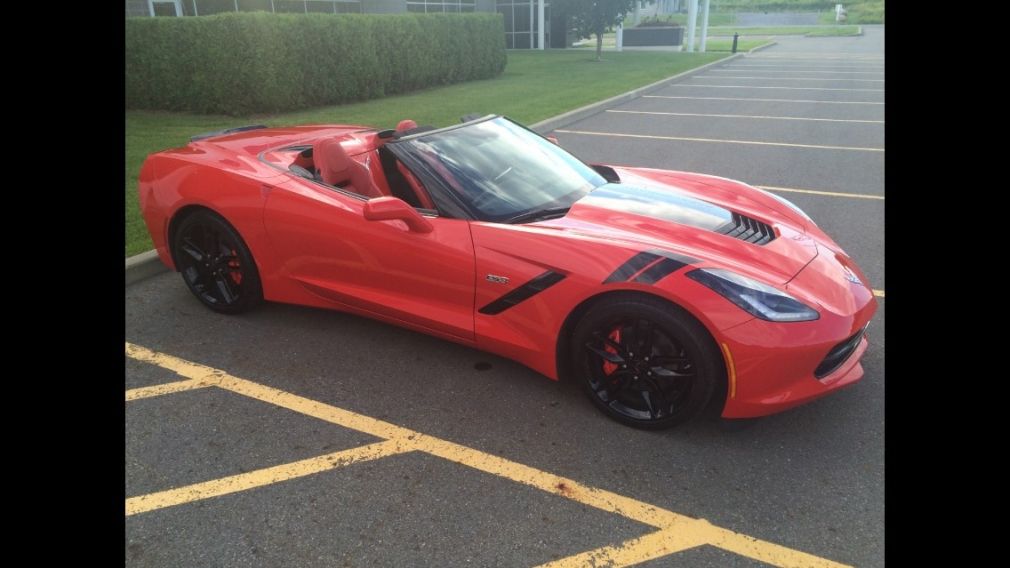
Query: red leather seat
{"x":337,"y":168}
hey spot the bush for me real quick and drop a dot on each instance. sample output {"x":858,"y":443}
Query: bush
{"x":866,"y":13}
{"x":244,"y":63}
{"x":658,"y":22}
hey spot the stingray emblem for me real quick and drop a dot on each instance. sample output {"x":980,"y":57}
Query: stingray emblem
{"x":497,"y":279}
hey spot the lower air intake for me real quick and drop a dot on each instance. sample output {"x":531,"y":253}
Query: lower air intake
{"x":838,"y":355}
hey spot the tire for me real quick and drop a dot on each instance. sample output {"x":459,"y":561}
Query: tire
{"x":645,"y":362}
{"x":216,"y":264}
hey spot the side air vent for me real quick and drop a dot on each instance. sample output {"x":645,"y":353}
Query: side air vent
{"x":747,"y":229}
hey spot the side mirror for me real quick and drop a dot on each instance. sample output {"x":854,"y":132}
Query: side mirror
{"x":554,"y":140}
{"x":388,"y":208}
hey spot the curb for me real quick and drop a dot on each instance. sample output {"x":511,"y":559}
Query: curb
{"x":555,"y":122}
{"x":148,"y":264}
{"x":760,"y":47}
{"x":143,"y":266}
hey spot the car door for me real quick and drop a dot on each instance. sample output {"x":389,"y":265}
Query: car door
{"x":421,"y":279}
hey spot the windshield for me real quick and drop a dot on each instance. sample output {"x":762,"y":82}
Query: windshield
{"x":502,"y":171}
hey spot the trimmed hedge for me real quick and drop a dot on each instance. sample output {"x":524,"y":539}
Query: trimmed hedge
{"x":246,"y":63}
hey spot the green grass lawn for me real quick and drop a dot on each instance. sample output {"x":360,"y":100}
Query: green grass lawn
{"x":535,"y":86}
{"x":609,"y":41}
{"x":785,"y":30}
{"x":868,"y":12}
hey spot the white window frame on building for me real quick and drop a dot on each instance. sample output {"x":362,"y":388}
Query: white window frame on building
{"x":534,"y":35}
{"x":175,"y":3}
{"x":441,"y":6}
{"x":306,"y":6}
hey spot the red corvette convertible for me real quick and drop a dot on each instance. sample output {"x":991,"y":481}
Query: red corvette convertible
{"x":659,"y":291}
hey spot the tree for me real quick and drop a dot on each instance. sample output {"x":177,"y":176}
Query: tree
{"x":594,"y":16}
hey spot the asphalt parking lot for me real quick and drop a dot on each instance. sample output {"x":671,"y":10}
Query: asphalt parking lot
{"x":301,"y":437}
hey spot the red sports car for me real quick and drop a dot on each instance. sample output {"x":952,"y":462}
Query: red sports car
{"x":659,"y":291}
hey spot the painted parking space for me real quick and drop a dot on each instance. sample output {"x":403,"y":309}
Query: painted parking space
{"x":237,"y":472}
{"x":748,"y":142}
{"x":739,"y":88}
{"x":749,"y":116}
{"x":758,"y":106}
{"x":805,"y":120}
{"x":675,"y":533}
{"x":824,"y":96}
{"x":801,"y":168}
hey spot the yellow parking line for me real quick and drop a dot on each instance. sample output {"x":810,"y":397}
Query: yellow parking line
{"x":819,"y":56}
{"x":752,"y":99}
{"x":476,"y":459}
{"x":768,"y":552}
{"x":568,"y":488}
{"x":261,"y":477}
{"x":315,"y":409}
{"x":817,"y":192}
{"x":709,"y":86}
{"x":167,"y":388}
{"x":878,"y":293}
{"x":678,"y":532}
{"x":764,"y":117}
{"x":669,"y":541}
{"x":180,"y":367}
{"x":790,"y":69}
{"x":633,"y":551}
{"x":785,"y":78}
{"x":718,"y":140}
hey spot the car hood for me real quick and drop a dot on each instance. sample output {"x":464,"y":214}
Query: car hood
{"x":689,"y":214}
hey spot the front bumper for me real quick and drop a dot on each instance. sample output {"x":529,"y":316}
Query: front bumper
{"x":769,"y":383}
{"x":777,"y":364}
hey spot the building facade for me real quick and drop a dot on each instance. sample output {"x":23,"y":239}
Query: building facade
{"x":522,"y":17}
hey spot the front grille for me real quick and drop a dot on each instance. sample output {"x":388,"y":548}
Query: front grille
{"x":838,"y":354}
{"x":747,"y":229}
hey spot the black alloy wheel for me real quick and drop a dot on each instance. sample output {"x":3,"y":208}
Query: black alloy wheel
{"x":645,"y":363}
{"x":216,"y":264}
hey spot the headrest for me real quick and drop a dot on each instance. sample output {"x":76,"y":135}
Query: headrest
{"x":331,"y":160}
{"x":405,"y":124}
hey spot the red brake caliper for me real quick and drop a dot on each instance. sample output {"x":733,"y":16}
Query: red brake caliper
{"x":236,"y":272}
{"x":615,"y":335}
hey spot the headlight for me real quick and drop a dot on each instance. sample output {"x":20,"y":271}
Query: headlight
{"x":786,"y":202}
{"x":756,"y":298}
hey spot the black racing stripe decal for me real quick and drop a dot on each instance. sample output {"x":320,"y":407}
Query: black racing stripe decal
{"x":632,"y":266}
{"x":660,"y":270}
{"x":654,"y":273}
{"x":522,"y":293}
{"x":674,"y":256}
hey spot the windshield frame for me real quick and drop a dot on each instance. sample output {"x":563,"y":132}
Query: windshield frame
{"x":449,"y":202}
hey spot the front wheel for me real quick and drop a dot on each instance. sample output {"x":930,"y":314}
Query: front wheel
{"x":215,"y":264}
{"x":645,"y":363}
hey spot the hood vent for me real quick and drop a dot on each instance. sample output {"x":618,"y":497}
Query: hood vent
{"x":747,"y":229}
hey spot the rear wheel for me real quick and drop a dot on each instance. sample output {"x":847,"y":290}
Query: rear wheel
{"x":216,"y":264}
{"x":644,"y":362}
